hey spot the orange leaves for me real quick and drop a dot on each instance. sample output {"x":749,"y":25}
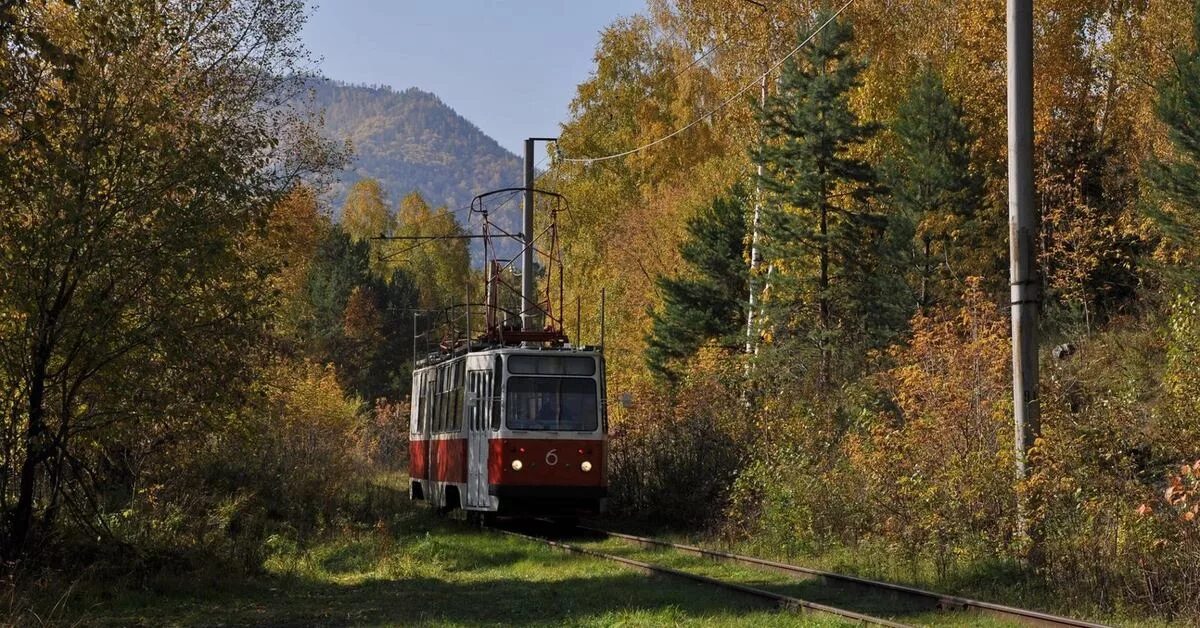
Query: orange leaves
{"x":952,"y":376}
{"x":361,"y":319}
{"x":1182,"y":494}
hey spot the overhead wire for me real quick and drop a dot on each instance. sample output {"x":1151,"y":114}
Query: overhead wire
{"x":678,"y":73}
{"x":467,"y":208}
{"x":725,"y":103}
{"x":427,"y":240}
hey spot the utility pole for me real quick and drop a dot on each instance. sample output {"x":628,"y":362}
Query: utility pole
{"x":1022,"y":227}
{"x":528,"y":285}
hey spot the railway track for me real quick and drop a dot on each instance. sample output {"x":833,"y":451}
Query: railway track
{"x":783,"y":602}
{"x":933,"y":601}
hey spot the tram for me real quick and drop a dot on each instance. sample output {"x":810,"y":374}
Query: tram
{"x":512,"y":421}
{"x":512,"y":431}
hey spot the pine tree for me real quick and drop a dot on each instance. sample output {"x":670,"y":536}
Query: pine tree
{"x":340,"y":266}
{"x":360,"y":323}
{"x":1177,"y":178}
{"x":818,"y":235}
{"x":936,"y":193}
{"x":706,"y":301}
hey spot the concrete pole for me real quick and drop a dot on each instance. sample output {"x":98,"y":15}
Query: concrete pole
{"x":1022,"y":230}
{"x":528,"y":298}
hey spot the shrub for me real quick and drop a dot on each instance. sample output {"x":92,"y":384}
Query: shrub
{"x":674,"y":453}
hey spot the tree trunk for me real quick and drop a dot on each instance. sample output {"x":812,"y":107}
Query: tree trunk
{"x":27,"y":484}
{"x":925,"y":276}
{"x":823,"y":298}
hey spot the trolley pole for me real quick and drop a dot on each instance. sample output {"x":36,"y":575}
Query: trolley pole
{"x":1022,"y":228}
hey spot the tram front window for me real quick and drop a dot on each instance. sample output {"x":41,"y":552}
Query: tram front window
{"x":552,"y":403}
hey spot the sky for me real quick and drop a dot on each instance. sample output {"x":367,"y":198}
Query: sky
{"x":509,"y":66}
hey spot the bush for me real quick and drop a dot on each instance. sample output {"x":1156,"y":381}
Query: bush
{"x":285,"y":465}
{"x":673,"y":455}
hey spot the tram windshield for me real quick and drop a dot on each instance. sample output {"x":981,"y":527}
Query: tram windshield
{"x":552,"y":403}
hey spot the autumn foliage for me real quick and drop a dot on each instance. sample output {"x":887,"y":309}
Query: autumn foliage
{"x":876,"y":398}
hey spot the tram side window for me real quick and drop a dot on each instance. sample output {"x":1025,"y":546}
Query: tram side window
{"x":440,"y":419}
{"x":460,"y":395}
{"x":447,"y":398}
{"x":415,"y":421}
{"x":433,"y":400}
{"x":419,"y":400}
{"x":454,"y":416}
{"x":430,"y":401}
{"x":497,"y":381}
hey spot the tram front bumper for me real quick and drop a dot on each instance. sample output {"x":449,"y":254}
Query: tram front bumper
{"x":549,"y":499}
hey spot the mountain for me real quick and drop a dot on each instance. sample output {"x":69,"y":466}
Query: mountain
{"x":411,"y":140}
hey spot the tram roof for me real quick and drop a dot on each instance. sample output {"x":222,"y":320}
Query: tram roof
{"x":491,"y":349}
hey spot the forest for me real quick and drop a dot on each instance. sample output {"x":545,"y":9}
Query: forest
{"x":861,"y":408}
{"x":807,"y":292}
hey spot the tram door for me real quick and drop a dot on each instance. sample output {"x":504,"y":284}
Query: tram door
{"x":477,"y":439}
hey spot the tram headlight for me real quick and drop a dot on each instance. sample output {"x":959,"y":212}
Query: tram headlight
{"x":586,"y":466}
{"x":516,"y":465}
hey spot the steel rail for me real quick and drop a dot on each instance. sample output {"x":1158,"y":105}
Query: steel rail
{"x":782,"y":602}
{"x":937,"y":600}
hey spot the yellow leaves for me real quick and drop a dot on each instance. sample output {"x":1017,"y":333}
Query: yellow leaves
{"x":312,"y":401}
{"x":365,"y":213}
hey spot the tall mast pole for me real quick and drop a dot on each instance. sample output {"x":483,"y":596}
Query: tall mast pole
{"x":1022,"y":227}
{"x":527,"y":287}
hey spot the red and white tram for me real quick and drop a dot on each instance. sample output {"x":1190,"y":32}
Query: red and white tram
{"x":510,"y":430}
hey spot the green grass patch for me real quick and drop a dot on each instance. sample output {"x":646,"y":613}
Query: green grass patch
{"x":899,"y":609}
{"x":413,"y":569}
{"x":998,"y":582}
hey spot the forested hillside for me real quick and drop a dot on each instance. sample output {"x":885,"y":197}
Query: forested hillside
{"x":410,"y":141}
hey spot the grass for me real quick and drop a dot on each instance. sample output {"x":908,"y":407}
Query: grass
{"x":416,"y":570}
{"x":997,"y":582}
{"x":898,"y":609}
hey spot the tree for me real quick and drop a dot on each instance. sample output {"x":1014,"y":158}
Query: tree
{"x":441,"y":267}
{"x":365,"y":213}
{"x":365,"y":216}
{"x":1177,"y":177}
{"x":706,"y":301}
{"x":142,"y":146}
{"x":818,"y":234}
{"x":360,"y":323}
{"x":340,"y":267}
{"x":295,"y":228}
{"x":935,"y":191}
